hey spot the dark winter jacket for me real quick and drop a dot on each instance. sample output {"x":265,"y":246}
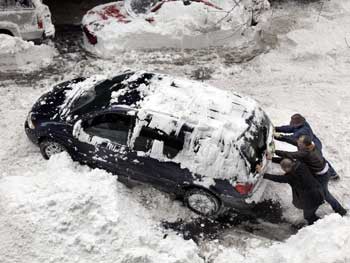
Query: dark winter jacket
{"x":296,"y":132}
{"x":306,"y":190}
{"x":312,"y":157}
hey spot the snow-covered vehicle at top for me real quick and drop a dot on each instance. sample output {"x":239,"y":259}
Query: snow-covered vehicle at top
{"x":27,"y":19}
{"x":182,"y":136}
{"x":144,"y":24}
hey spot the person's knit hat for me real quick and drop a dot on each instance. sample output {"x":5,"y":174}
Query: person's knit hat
{"x":297,"y":120}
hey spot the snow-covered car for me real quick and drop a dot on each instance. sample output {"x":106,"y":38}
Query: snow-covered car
{"x":142,"y":24}
{"x":27,"y":19}
{"x":182,"y":136}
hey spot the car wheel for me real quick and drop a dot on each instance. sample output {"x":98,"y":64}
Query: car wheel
{"x":202,"y":202}
{"x":49,"y":148}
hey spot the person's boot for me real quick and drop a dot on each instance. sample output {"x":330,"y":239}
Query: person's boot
{"x":334,"y":177}
{"x":342,"y":212}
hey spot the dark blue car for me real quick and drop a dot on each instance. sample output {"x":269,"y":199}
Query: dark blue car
{"x":181,"y":136}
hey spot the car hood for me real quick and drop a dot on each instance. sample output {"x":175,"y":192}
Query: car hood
{"x":49,"y":104}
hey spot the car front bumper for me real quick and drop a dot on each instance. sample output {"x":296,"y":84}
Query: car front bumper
{"x":31,"y":134}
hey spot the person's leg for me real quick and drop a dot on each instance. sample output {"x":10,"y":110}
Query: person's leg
{"x":310,"y":215}
{"x":333,"y":174}
{"x":336,"y":206}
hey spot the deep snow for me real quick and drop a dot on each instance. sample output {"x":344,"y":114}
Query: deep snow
{"x":55,"y":211}
{"x":19,"y":55}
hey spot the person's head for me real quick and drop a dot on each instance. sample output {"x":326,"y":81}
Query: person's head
{"x":297,"y":120}
{"x":304,"y":141}
{"x":287,"y":165}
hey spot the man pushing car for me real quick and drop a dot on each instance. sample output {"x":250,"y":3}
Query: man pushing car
{"x":309,"y":155}
{"x":297,"y":127}
{"x":307,"y":192}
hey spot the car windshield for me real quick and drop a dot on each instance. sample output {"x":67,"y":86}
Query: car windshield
{"x":85,"y":97}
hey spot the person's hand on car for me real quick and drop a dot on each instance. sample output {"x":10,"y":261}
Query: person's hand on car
{"x":258,"y":168}
{"x":277,"y":135}
{"x":268,"y":156}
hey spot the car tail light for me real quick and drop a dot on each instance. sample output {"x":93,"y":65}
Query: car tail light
{"x":40,"y":23}
{"x":91,"y":37}
{"x":244,"y":189}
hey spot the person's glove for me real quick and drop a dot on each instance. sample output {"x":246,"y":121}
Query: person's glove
{"x":258,"y":168}
{"x":277,"y":135}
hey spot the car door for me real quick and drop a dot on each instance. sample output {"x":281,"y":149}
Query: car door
{"x":152,"y":153}
{"x":109,"y":134}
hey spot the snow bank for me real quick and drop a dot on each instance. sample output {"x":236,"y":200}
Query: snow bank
{"x":19,"y":55}
{"x":70,"y":213}
{"x":175,"y":25}
{"x":326,"y":241}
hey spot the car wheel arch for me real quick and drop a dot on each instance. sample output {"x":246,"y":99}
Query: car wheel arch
{"x":188,"y":189}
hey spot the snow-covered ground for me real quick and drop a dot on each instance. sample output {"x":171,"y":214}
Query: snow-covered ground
{"x":19,"y":55}
{"x":59,"y":211}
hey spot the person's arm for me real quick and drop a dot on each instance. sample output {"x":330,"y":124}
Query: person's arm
{"x":285,"y":129}
{"x":277,"y":178}
{"x":288,"y":139}
{"x":299,"y":155}
{"x":276,"y":159}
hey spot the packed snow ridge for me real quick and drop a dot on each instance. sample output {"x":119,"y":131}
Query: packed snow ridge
{"x":19,"y":55}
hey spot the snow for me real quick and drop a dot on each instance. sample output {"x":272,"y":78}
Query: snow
{"x":325,"y":241}
{"x":284,"y":81}
{"x":19,"y":55}
{"x":175,"y":25}
{"x":70,"y":213}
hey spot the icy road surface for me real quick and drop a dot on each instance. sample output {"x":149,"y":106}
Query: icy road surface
{"x":59,"y":211}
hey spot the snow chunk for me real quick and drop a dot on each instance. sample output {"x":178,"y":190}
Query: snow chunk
{"x":19,"y":55}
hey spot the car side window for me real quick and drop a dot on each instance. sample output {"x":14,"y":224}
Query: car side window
{"x":172,"y":144}
{"x":16,"y":3}
{"x":110,"y":126}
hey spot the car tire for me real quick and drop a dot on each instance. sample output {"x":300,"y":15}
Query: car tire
{"x":202,"y":202}
{"x":50,"y":147}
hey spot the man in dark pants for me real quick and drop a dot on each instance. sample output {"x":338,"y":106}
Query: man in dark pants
{"x":311,"y":156}
{"x":306,"y":190}
{"x":297,"y":127}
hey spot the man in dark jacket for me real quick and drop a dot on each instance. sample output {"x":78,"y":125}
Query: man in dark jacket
{"x":307,"y":192}
{"x":312,"y":157}
{"x":297,"y":127}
